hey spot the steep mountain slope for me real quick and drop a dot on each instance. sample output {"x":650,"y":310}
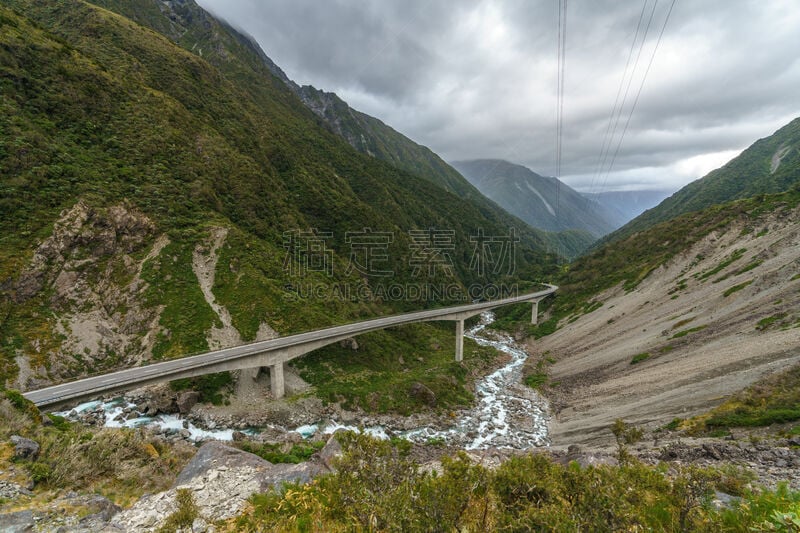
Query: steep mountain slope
{"x":544,"y":203}
{"x":241,"y":58}
{"x":193,"y":28}
{"x":669,"y":321}
{"x":769,"y":165}
{"x":128,"y":163}
{"x":627,"y":205}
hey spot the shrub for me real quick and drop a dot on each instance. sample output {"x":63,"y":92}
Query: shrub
{"x":184,"y":515}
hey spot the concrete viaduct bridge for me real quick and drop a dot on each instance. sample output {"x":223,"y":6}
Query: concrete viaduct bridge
{"x":272,"y":353}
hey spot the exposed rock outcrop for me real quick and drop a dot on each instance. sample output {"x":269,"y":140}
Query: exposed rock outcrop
{"x":220,"y":479}
{"x":88,"y":271}
{"x":25,"y":448}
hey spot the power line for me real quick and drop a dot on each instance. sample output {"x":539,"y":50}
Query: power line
{"x":641,"y":86}
{"x":625,"y":96}
{"x":561,"y":76}
{"x":607,"y":136}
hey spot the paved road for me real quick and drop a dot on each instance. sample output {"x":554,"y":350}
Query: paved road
{"x":130,"y":377}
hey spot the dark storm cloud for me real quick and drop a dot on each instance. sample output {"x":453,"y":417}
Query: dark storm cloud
{"x":477,"y":79}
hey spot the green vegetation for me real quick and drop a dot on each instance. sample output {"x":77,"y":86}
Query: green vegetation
{"x":377,"y":488}
{"x":735,"y":256}
{"x":750,"y":266}
{"x":536,"y":380}
{"x":96,"y":108}
{"x":638,"y":358}
{"x":766,"y":323}
{"x":392,"y":371}
{"x":184,"y":515}
{"x":213,"y":388}
{"x":625,"y":435}
{"x":121,"y":464}
{"x":773,"y":400}
{"x":686,"y":332}
{"x":736,"y":288}
{"x":277,"y":453}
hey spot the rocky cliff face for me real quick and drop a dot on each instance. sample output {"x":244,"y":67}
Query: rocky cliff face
{"x":88,"y":275}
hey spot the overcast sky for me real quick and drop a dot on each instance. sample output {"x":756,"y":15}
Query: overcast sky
{"x":477,"y":79}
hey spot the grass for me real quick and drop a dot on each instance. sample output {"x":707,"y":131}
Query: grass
{"x":184,"y":515}
{"x":276,"y":452}
{"x":638,"y":358}
{"x":767,"y":322}
{"x":772,"y":400}
{"x":536,"y":380}
{"x":121,"y":464}
{"x":396,"y":370}
{"x":735,"y":256}
{"x":736,"y":288}
{"x":689,"y":331}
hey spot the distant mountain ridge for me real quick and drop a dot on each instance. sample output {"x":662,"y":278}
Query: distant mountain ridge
{"x":543,"y":202}
{"x":627,"y":205}
{"x":770,"y":165}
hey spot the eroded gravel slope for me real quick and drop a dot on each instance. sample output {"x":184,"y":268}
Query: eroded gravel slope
{"x":596,"y":382}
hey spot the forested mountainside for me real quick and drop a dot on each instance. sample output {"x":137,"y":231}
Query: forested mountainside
{"x":238,"y":54}
{"x":141,"y":183}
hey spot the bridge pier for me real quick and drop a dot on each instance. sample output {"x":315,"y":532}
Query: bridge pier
{"x":535,"y":312}
{"x":276,"y":382}
{"x":459,"y":340}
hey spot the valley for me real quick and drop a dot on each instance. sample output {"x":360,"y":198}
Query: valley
{"x":231,"y":301}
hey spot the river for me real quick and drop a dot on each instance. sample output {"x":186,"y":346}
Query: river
{"x":506,"y":413}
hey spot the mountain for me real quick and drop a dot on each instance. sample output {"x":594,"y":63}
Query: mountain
{"x":627,"y":205}
{"x":189,"y":25}
{"x":668,"y":321}
{"x":239,"y":55}
{"x":770,"y":165}
{"x":156,"y":202}
{"x":544,"y":203}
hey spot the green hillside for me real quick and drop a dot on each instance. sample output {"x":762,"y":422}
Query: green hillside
{"x":629,"y":260}
{"x":770,"y":165}
{"x":241,"y":58}
{"x":233,"y":52}
{"x":139,"y":149}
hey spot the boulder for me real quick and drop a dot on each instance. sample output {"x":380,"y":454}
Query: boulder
{"x":25,"y":448}
{"x":221,"y":479}
{"x":187,"y":400}
{"x":20,"y":521}
{"x":330,"y":451}
{"x":423,"y":394}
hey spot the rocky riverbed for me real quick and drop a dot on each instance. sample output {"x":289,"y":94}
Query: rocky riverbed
{"x":506,"y":413}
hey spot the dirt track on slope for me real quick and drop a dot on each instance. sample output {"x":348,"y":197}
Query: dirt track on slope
{"x":594,"y":380}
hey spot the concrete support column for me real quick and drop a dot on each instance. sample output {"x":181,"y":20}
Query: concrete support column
{"x":276,"y":381}
{"x":459,"y":340}
{"x":535,"y":312}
